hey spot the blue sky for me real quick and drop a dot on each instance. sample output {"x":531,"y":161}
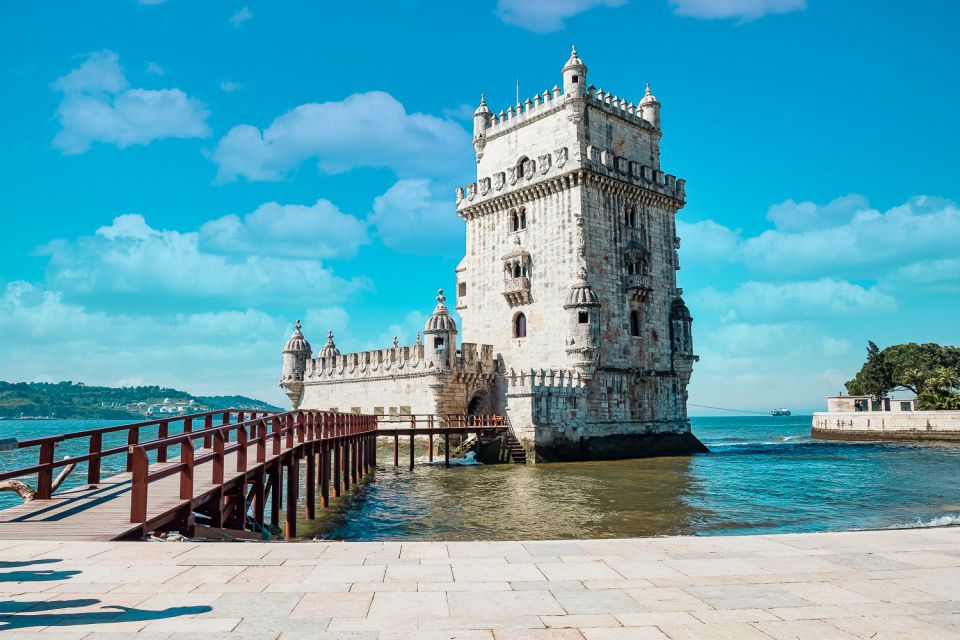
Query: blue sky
{"x":180,"y":180}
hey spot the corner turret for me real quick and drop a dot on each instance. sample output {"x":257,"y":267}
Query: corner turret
{"x":650,"y":108}
{"x":481,"y":121}
{"x":440,"y":336}
{"x":295,"y":355}
{"x":583,"y":325}
{"x":574,"y":75}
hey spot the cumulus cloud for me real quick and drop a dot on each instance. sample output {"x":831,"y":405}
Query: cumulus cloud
{"x":844,"y":238}
{"x":240,"y":16}
{"x":745,"y":10}
{"x":99,"y":106}
{"x":45,"y":338}
{"x":545,"y":16}
{"x":364,"y":130}
{"x":404,"y":331}
{"x":813,"y":299}
{"x":320,"y":230}
{"x":155,"y":69}
{"x":411,"y":217}
{"x":131,"y":257}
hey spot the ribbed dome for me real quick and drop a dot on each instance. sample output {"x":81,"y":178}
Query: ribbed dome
{"x":574,"y":61}
{"x":329,"y":349}
{"x":297,"y":343}
{"x":648,"y":97}
{"x":581,"y":294}
{"x":679,"y":310}
{"x":483,"y":106}
{"x":440,"y":320}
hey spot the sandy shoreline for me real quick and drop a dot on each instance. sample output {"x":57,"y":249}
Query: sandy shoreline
{"x":869,"y":584}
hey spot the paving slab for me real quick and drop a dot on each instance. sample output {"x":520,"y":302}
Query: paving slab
{"x":874,"y":584}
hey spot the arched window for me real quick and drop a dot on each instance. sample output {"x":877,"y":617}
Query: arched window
{"x":517,"y":271}
{"x":520,"y":326}
{"x":635,"y":323}
{"x":631,"y":264}
{"x":633,"y":217}
{"x":513,"y":219}
{"x":522,"y":219}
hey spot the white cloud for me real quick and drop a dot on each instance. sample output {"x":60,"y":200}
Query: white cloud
{"x":240,"y":16}
{"x":130,"y":257}
{"x":832,"y":347}
{"x":745,"y":10}
{"x":42,"y":337}
{"x":815,"y":299}
{"x":706,"y":242}
{"x":155,"y":69}
{"x":316,"y":231}
{"x":229,"y":87}
{"x":930,"y":276}
{"x":366,"y":129}
{"x":845,"y":238}
{"x":790,"y":216}
{"x":99,"y":106}
{"x":150,"y":2}
{"x":412,"y":218}
{"x":545,"y":16}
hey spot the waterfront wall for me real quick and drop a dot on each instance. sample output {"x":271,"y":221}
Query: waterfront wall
{"x":883,"y":425}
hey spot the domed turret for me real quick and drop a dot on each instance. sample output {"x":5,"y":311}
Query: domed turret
{"x":440,"y":335}
{"x":329,"y":349}
{"x":481,"y":121}
{"x":574,"y":75}
{"x":295,"y":355}
{"x":583,"y":322}
{"x":650,"y":108}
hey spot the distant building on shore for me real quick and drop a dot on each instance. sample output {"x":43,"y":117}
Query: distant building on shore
{"x":867,"y":418}
{"x":573,"y":325}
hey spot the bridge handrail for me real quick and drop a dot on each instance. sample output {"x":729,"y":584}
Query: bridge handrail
{"x":302,"y":424}
{"x":47,"y":464}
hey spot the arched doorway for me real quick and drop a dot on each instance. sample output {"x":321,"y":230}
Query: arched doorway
{"x":479,"y":404}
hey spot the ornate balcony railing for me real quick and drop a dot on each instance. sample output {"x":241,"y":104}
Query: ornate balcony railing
{"x":639,"y":284}
{"x":516,"y":290}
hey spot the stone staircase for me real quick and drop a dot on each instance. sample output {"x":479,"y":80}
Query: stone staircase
{"x":518,"y":455}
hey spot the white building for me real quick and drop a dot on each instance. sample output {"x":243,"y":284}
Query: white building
{"x":573,"y":326}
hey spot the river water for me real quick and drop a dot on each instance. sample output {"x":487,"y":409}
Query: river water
{"x":763,"y":475}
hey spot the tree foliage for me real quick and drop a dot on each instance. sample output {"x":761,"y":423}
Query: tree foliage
{"x":77,"y":400}
{"x":929,"y":370}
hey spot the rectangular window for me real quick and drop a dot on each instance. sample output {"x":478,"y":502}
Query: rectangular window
{"x":576,"y":79}
{"x":355,"y":409}
{"x":334,"y":409}
{"x":438,"y":343}
{"x":405,"y":411}
{"x":906,"y":406}
{"x":378,"y":411}
{"x":462,"y":289}
{"x":393,"y":411}
{"x":583,"y":317}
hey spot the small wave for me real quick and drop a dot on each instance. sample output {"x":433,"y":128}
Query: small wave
{"x":753,"y":443}
{"x":949,"y":520}
{"x":469,"y":459}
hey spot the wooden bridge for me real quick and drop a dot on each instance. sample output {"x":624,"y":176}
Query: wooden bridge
{"x":227,"y":473}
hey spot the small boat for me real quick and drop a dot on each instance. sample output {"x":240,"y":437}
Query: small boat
{"x":782,"y":411}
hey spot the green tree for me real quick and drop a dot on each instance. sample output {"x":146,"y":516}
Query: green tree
{"x":875,"y":378}
{"x":939,"y":390}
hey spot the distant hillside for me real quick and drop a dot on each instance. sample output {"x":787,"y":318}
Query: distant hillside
{"x":77,"y":400}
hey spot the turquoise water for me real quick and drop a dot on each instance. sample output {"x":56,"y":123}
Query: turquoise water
{"x":763,"y":475}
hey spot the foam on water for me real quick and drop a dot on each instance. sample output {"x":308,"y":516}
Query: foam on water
{"x":948,"y":520}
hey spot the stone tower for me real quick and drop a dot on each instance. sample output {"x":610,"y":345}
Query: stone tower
{"x":570,"y":272}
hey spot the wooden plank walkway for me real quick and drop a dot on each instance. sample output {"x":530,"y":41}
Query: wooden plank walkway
{"x":237,"y":467}
{"x":102,"y":512}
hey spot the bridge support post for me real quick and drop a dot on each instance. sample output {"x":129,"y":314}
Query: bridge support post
{"x":396,"y":449}
{"x":275,"y":491}
{"x":446,"y":447}
{"x":346,"y":463}
{"x":293,"y":486}
{"x":258,"y":498}
{"x":324,"y":474}
{"x":311,"y":482}
{"x":430,"y":436}
{"x":337,"y":457}
{"x":411,"y":449}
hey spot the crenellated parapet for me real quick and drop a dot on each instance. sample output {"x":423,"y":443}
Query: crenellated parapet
{"x":544,"y":381}
{"x":396,"y":361}
{"x":546,"y":173}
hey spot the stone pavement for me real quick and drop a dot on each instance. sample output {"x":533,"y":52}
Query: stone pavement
{"x":884,"y":584}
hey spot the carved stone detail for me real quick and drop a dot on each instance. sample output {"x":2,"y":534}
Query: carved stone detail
{"x":544,"y":161}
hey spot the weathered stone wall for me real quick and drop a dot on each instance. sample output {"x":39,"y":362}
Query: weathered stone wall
{"x":877,"y":425}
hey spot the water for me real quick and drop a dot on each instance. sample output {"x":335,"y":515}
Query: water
{"x":763,"y":475}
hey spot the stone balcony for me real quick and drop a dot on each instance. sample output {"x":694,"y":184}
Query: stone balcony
{"x":638,"y":285}
{"x":516,"y":290}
